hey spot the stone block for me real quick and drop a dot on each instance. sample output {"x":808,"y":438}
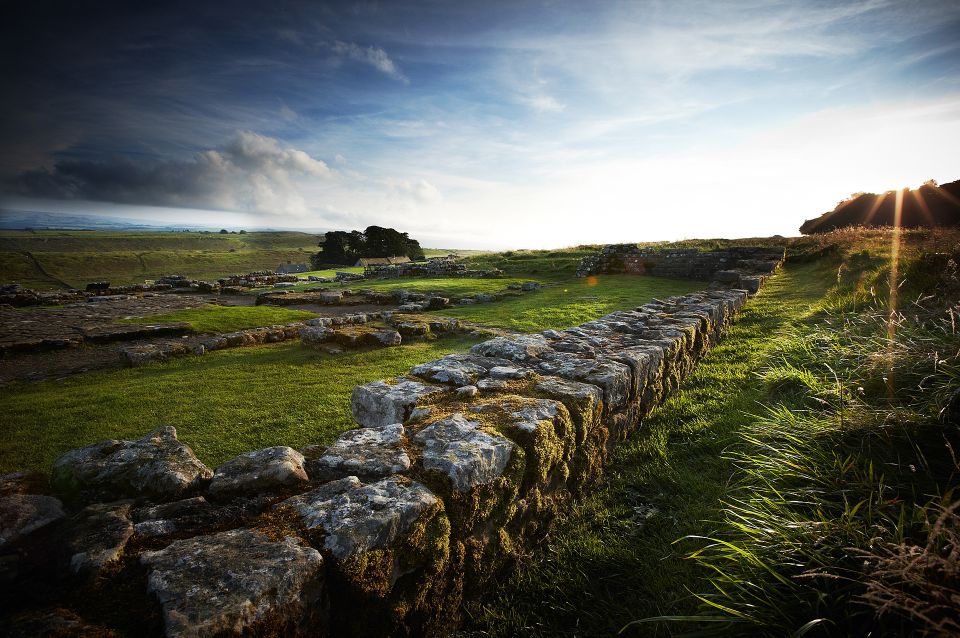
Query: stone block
{"x":359,"y":518}
{"x":379,"y":404}
{"x":468,"y":456}
{"x":259,"y":471}
{"x":238,"y":582}
{"x":370,"y":453}
{"x":156,"y":466}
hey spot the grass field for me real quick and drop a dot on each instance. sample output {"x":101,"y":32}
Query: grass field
{"x":50,"y":259}
{"x":57,"y":259}
{"x":571,"y":302}
{"x":219,"y":319}
{"x":222,"y":404}
{"x":440,"y":286}
{"x":807,"y":439}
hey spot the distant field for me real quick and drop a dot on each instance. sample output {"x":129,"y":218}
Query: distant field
{"x":50,"y":259}
{"x":440,"y":285}
{"x":57,"y":259}
{"x":219,"y":319}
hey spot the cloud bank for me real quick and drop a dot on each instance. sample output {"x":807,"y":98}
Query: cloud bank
{"x":251,"y":173}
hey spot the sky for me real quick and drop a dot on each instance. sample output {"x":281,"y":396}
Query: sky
{"x":486,"y":124}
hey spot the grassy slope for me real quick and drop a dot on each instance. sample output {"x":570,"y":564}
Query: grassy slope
{"x":572,"y":301}
{"x":218,"y":319}
{"x":222,"y":404}
{"x":77,"y":257}
{"x":596,"y":575}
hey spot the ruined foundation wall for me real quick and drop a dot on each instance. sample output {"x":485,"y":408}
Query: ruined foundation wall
{"x":720,"y":265}
{"x":457,"y":469}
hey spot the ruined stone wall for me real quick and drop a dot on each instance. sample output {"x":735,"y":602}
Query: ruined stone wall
{"x":456,"y":470}
{"x":724,"y":266}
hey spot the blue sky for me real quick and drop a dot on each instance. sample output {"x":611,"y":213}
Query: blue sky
{"x":478,"y":124}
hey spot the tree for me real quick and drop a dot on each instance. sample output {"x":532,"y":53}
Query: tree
{"x":342,"y":247}
{"x":224,"y":231}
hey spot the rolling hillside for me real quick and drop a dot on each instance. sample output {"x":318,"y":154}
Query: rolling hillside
{"x":49,"y":259}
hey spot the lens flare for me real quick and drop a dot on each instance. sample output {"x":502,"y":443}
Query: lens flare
{"x":894,"y":289}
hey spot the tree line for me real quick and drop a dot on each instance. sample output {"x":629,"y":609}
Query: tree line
{"x":345,"y":248}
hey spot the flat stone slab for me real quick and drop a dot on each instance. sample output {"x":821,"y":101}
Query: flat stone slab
{"x":158,"y":465}
{"x":532,"y":416}
{"x":24,"y":514}
{"x":450,"y":371}
{"x":457,"y":447}
{"x":613,"y":377}
{"x":519,"y":349}
{"x":234,"y":583}
{"x":366,"y":452}
{"x":259,"y":471}
{"x":379,"y":404}
{"x":357,"y":518}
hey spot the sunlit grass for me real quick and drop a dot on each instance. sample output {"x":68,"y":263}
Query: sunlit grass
{"x":604,"y":567}
{"x":572,"y":301}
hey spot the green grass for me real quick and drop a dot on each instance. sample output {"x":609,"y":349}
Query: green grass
{"x":331,"y":272}
{"x":222,"y":404}
{"x":441,"y":286}
{"x":572,"y":301}
{"x":73,"y":258}
{"x":786,"y":451}
{"x":604,"y":566}
{"x":218,"y":319}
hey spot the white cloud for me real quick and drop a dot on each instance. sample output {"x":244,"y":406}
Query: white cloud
{"x":372,"y":56}
{"x":419,"y":191}
{"x":543,"y":103}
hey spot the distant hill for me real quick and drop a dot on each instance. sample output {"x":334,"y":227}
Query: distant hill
{"x":927,"y":206}
{"x":17,"y":219}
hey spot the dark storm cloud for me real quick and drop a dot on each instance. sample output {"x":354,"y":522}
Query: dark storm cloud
{"x":162,"y":79}
{"x":251,"y":173}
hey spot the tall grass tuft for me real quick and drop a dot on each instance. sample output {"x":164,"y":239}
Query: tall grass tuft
{"x":843,"y":516}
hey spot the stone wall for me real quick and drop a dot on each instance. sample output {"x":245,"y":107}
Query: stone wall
{"x":742,"y":267}
{"x":456,"y":470}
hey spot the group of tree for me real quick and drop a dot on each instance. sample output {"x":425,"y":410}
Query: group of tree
{"x":931,"y":205}
{"x":345,"y":248}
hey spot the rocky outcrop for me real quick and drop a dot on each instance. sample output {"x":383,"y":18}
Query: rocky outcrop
{"x":457,"y":469}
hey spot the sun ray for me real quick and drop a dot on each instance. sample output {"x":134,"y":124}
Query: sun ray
{"x":874,"y":208}
{"x":922,"y":203}
{"x":894,"y":289}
